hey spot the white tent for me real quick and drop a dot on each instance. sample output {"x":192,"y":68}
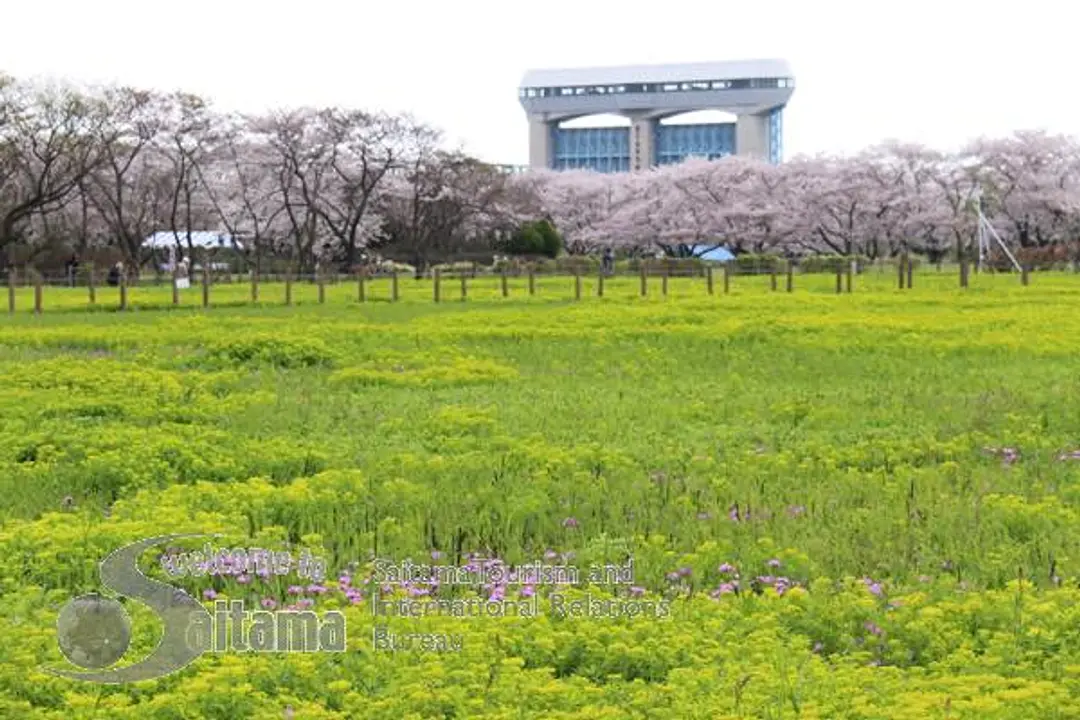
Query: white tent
{"x":199,"y":239}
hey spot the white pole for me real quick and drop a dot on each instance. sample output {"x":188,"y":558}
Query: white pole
{"x":990,"y":228}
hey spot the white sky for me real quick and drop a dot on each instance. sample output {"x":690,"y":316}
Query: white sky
{"x":937,"y":72}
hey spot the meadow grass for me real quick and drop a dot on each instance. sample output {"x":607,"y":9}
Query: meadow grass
{"x":859,"y":505}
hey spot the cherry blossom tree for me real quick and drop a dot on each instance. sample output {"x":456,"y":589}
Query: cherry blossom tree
{"x":131,"y":190}
{"x":82,"y":168}
{"x":50,"y":142}
{"x":239,"y":181}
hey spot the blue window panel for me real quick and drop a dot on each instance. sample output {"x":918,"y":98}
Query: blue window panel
{"x":674,"y":143}
{"x":600,"y":149}
{"x":776,"y":136}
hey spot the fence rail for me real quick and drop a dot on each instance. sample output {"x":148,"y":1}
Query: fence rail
{"x":455,"y":283}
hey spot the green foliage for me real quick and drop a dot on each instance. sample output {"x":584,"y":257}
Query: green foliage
{"x":829,"y":263}
{"x":905,"y":457}
{"x":537,"y":239}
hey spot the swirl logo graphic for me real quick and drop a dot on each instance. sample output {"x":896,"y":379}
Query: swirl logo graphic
{"x":94,"y":631}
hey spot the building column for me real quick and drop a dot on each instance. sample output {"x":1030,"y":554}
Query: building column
{"x":752,"y":136}
{"x":540,"y":150}
{"x":642,"y":144}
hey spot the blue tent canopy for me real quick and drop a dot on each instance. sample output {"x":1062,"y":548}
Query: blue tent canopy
{"x":712,"y":254}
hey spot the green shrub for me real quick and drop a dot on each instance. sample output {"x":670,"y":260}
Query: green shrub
{"x":538,"y":238}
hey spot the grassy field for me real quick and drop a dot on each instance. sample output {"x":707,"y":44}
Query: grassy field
{"x":856,"y":506}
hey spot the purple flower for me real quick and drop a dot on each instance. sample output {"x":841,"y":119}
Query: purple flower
{"x":727,"y":568}
{"x":497,"y":594}
{"x":550,"y":555}
{"x":295,"y":590}
{"x":733,"y":513}
{"x":209,"y":594}
{"x":725,"y":588}
{"x":872,"y":628}
{"x":570,"y":522}
{"x":243,"y":579}
{"x":685,"y":571}
{"x":637,"y":591}
{"x":316,"y":589}
{"x":874,"y":587}
{"x":528,"y":591}
{"x":305,"y":602}
{"x":435,"y":555}
{"x":818,"y":647}
{"x":774,"y":563}
{"x":672,"y":576}
{"x":268,"y":603}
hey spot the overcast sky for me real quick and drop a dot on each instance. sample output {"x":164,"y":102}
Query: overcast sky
{"x":923,"y":71}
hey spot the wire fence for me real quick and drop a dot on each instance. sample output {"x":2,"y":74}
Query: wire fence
{"x":29,"y":290}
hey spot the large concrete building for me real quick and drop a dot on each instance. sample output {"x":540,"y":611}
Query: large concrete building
{"x":755,"y":91}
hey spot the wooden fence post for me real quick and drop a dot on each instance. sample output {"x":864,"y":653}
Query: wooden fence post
{"x":436,"y":276}
{"x":577,"y":283}
{"x":727,"y":277}
{"x":900,"y":271}
{"x":175,"y":289}
{"x":123,"y":289}
{"x":320,"y":281}
{"x":254,"y":286}
{"x":850,"y":274}
{"x":790,"y":275}
{"x":503,"y":281}
{"x":394,"y":286}
{"x":288,"y":287}
{"x":909,"y":268}
{"x":772,"y":276}
{"x":709,"y":279}
{"x":206,"y":284}
{"x":532,"y":281}
{"x":1024,"y":275}
{"x":600,"y":283}
{"x":11,"y":289}
{"x":361,"y":291}
{"x":464,"y":285}
{"x":839,"y":277}
{"x":644,"y":280}
{"x":90,"y":285}
{"x":37,"y":293}
{"x":664,"y":281}
{"x":963,"y":273}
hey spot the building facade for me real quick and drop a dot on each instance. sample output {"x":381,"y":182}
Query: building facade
{"x":755,"y":91}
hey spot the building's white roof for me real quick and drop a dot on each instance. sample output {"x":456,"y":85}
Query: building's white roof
{"x":689,"y":72}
